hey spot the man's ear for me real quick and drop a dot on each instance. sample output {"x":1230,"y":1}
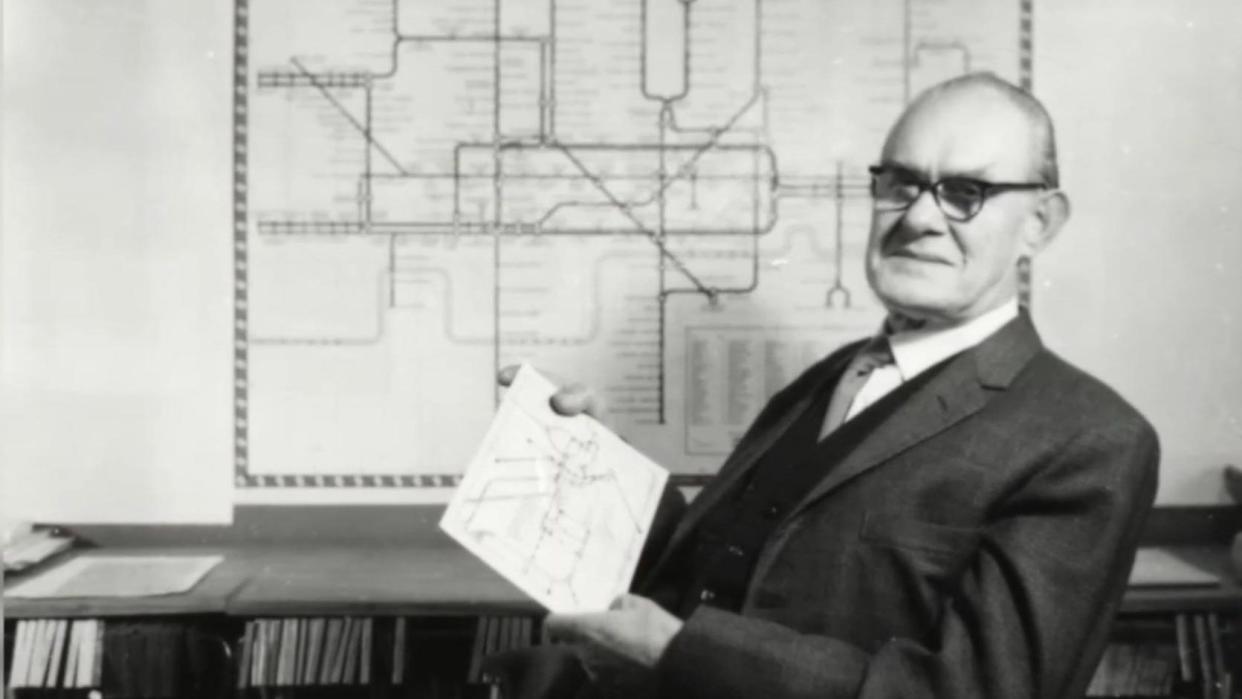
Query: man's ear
{"x":1045,"y":221}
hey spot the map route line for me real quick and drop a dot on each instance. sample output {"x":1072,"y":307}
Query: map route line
{"x":625,"y":210}
{"x":708,"y":145}
{"x":612,"y":477}
{"x":685,"y":54}
{"x":364,"y":130}
{"x":814,"y":187}
{"x":443,"y":276}
{"x":484,"y":497}
{"x":756,"y":70}
{"x":686,"y":173}
{"x":593,"y":329}
{"x":838,"y":289}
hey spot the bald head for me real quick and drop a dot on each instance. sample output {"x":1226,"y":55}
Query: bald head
{"x":951,"y":151}
{"x":996,"y":95}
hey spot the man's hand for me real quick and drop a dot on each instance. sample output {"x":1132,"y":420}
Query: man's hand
{"x":571,"y":399}
{"x":634,"y":629}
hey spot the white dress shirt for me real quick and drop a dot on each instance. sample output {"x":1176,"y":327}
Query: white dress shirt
{"x":916,"y":351}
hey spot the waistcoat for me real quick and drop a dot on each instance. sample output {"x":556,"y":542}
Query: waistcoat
{"x":715,"y":564}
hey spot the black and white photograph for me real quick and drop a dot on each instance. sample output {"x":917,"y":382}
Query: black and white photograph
{"x":598,"y":349}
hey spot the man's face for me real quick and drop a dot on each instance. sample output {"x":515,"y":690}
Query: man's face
{"x":927,"y":267}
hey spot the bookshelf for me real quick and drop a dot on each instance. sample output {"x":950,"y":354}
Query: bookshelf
{"x":1180,"y":641}
{"x":294,"y":583}
{"x":291,"y":581}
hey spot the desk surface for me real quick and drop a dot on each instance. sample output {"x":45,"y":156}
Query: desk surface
{"x":306,"y":580}
{"x":311,"y":580}
{"x":1225,"y":597}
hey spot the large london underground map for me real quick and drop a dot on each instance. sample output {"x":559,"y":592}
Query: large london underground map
{"x":665,"y":199}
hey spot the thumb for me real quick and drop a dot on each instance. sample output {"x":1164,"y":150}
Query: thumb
{"x":577,"y":398}
{"x":626,"y":601}
{"x":506,"y":375}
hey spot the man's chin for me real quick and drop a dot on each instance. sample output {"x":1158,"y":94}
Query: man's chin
{"x":915,"y":304}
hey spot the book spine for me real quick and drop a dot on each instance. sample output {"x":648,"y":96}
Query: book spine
{"x":1207,"y":678}
{"x":314,"y":656}
{"x":1186,"y":665}
{"x":20,"y":663}
{"x":59,"y":632}
{"x":365,"y":655}
{"x":1219,"y":669}
{"x":331,"y":649}
{"x":243,"y":661}
{"x":398,"y":651}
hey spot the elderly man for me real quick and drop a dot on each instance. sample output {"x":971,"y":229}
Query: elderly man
{"x":944,"y":510}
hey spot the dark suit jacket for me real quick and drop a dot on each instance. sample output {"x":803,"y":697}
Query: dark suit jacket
{"x":974,"y":544}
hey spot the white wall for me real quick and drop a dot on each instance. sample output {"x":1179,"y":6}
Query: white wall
{"x":1142,"y":290}
{"x":1145,"y":285}
{"x":115,"y":362}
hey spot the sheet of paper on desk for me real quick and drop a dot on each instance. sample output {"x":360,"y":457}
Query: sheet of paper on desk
{"x":117,"y":576}
{"x":560,"y":506}
{"x":1157,"y":567}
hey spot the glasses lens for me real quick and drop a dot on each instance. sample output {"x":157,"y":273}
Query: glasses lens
{"x":894,"y":189}
{"x":959,"y":199}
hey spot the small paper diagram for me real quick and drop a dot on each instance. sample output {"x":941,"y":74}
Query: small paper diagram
{"x":558,"y":505}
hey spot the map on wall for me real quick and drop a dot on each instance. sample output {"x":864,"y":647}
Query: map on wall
{"x":664,"y":199}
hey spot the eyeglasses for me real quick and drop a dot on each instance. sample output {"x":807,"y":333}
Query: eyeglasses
{"x":959,"y":198}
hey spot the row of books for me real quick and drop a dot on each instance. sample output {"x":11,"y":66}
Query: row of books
{"x":1186,"y":655}
{"x":321,"y":651}
{"x":1201,"y":644}
{"x":299,"y":656}
{"x":1135,"y":670}
{"x":57,"y":654}
{"x":291,"y":652}
{"x":141,"y":659}
{"x":496,"y":634}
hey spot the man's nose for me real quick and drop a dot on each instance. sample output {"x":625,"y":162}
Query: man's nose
{"x":924,"y":214}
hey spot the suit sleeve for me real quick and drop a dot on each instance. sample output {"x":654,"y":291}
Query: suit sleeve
{"x":1023,"y":620}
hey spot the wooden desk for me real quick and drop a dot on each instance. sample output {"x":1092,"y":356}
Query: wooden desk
{"x":392,"y":580}
{"x":437,"y":578}
{"x":297,"y":580}
{"x":1226,"y":597}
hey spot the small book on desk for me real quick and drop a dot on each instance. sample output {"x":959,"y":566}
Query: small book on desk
{"x":28,"y":547}
{"x":1159,"y":567}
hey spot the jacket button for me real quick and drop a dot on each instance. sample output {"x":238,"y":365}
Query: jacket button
{"x":707,"y":595}
{"x":771,"y":512}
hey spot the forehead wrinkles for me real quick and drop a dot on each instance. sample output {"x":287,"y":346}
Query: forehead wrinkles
{"x":964,"y":132}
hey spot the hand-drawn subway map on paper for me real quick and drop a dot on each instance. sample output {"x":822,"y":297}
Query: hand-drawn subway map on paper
{"x":665,"y":199}
{"x":560,"y":506}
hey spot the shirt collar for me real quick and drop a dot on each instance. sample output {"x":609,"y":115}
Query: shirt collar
{"x":915,"y":351}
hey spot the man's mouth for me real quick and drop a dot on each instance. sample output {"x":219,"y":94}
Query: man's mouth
{"x":916,"y":255}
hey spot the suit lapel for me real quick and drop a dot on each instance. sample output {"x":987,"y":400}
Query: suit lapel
{"x":961,"y":389}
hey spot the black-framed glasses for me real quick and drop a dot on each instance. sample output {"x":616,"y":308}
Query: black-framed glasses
{"x":959,"y":198}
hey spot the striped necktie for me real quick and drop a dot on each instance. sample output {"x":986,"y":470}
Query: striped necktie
{"x":873,"y":355}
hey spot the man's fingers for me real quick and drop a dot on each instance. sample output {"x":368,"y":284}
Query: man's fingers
{"x":626,"y":601}
{"x":558,"y":624}
{"x":570,"y":400}
{"x":506,"y":375}
{"x":568,"y":627}
{"x":575,"y":399}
